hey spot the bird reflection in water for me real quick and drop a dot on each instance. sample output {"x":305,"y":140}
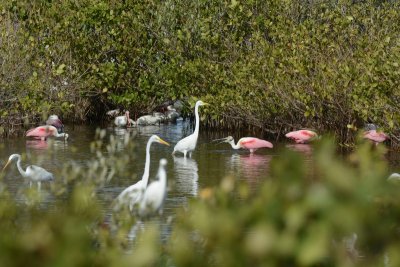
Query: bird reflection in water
{"x":43,"y":145}
{"x":302,"y":148}
{"x":186,"y":175}
{"x":252,"y":168}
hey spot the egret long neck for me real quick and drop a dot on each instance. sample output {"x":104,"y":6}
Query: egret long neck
{"x":196,"y":113}
{"x":145,"y":177}
{"x":23,"y":173}
{"x":232,"y":143}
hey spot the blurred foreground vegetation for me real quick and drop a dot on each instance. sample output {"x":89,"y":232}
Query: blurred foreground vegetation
{"x":296,"y":217}
{"x":271,"y":65}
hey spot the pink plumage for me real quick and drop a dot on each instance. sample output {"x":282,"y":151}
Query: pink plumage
{"x":254,"y":143}
{"x":42,"y":132}
{"x":302,"y":136}
{"x":250,"y":143}
{"x":375,"y":136}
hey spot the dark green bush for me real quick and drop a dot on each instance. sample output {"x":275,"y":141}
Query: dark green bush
{"x":271,"y":65}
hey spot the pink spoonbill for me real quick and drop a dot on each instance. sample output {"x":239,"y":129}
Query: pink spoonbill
{"x":43,"y":132}
{"x":302,"y":136}
{"x":53,"y":120}
{"x":374,"y":136}
{"x":250,"y":143}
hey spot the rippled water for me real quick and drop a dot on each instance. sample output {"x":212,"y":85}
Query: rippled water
{"x":186,"y":176}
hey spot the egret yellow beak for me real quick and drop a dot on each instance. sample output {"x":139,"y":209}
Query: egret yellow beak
{"x":8,"y":162}
{"x":205,"y":104}
{"x":163,"y":142}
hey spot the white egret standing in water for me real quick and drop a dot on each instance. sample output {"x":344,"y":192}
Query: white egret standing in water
{"x":33,"y":173}
{"x":133,"y":194}
{"x":155,"y":193}
{"x":188,"y":144}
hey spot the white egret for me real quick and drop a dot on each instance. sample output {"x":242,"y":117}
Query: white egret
{"x":33,"y":173}
{"x":154,"y":196}
{"x":133,"y":194}
{"x":188,"y":144}
{"x":122,"y":121}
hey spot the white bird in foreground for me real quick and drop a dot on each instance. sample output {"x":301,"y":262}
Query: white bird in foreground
{"x":188,"y":144}
{"x":122,"y":121}
{"x":394,"y":177}
{"x":155,"y":193}
{"x":33,"y":173}
{"x":133,"y":194}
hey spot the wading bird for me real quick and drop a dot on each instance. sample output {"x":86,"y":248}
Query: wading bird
{"x":133,"y":194}
{"x":122,"y":121}
{"x":250,"y":143}
{"x":43,"y":132}
{"x":53,"y":120}
{"x":302,"y":136}
{"x":374,"y":136}
{"x":33,"y":173}
{"x":154,"y":196}
{"x":188,"y":144}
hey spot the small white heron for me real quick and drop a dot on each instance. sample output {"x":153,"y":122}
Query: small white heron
{"x":188,"y":144}
{"x":33,"y":173}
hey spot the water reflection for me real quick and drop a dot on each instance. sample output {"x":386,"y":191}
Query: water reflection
{"x":43,"y":145}
{"x":252,"y":168}
{"x":186,"y":175}
{"x":306,"y":149}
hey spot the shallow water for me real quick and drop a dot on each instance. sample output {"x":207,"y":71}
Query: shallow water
{"x":186,"y":176}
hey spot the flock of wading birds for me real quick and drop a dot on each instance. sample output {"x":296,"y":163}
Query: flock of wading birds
{"x":139,"y":197}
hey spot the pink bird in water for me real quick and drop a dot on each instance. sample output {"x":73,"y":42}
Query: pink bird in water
{"x":43,"y":132}
{"x":302,"y":136}
{"x":250,"y":143}
{"x":376,"y":137}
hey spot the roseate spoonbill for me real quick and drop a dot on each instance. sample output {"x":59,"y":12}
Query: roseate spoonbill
{"x":33,"y":173}
{"x":250,"y":143}
{"x":302,"y":136}
{"x":188,"y":144}
{"x":374,"y":136}
{"x":133,"y":194}
{"x":53,"y":120}
{"x":154,"y":196}
{"x":45,"y":131}
{"x":122,"y":121}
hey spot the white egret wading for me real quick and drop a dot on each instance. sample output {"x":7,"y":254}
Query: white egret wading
{"x":154,"y":196}
{"x":33,"y":173}
{"x":133,"y":194}
{"x":188,"y":144}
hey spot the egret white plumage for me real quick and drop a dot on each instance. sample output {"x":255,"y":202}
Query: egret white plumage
{"x":133,"y":194}
{"x":154,"y":196}
{"x":188,"y":144}
{"x":33,"y":173}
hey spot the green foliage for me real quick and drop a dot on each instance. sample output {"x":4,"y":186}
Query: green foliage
{"x":274,"y":65}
